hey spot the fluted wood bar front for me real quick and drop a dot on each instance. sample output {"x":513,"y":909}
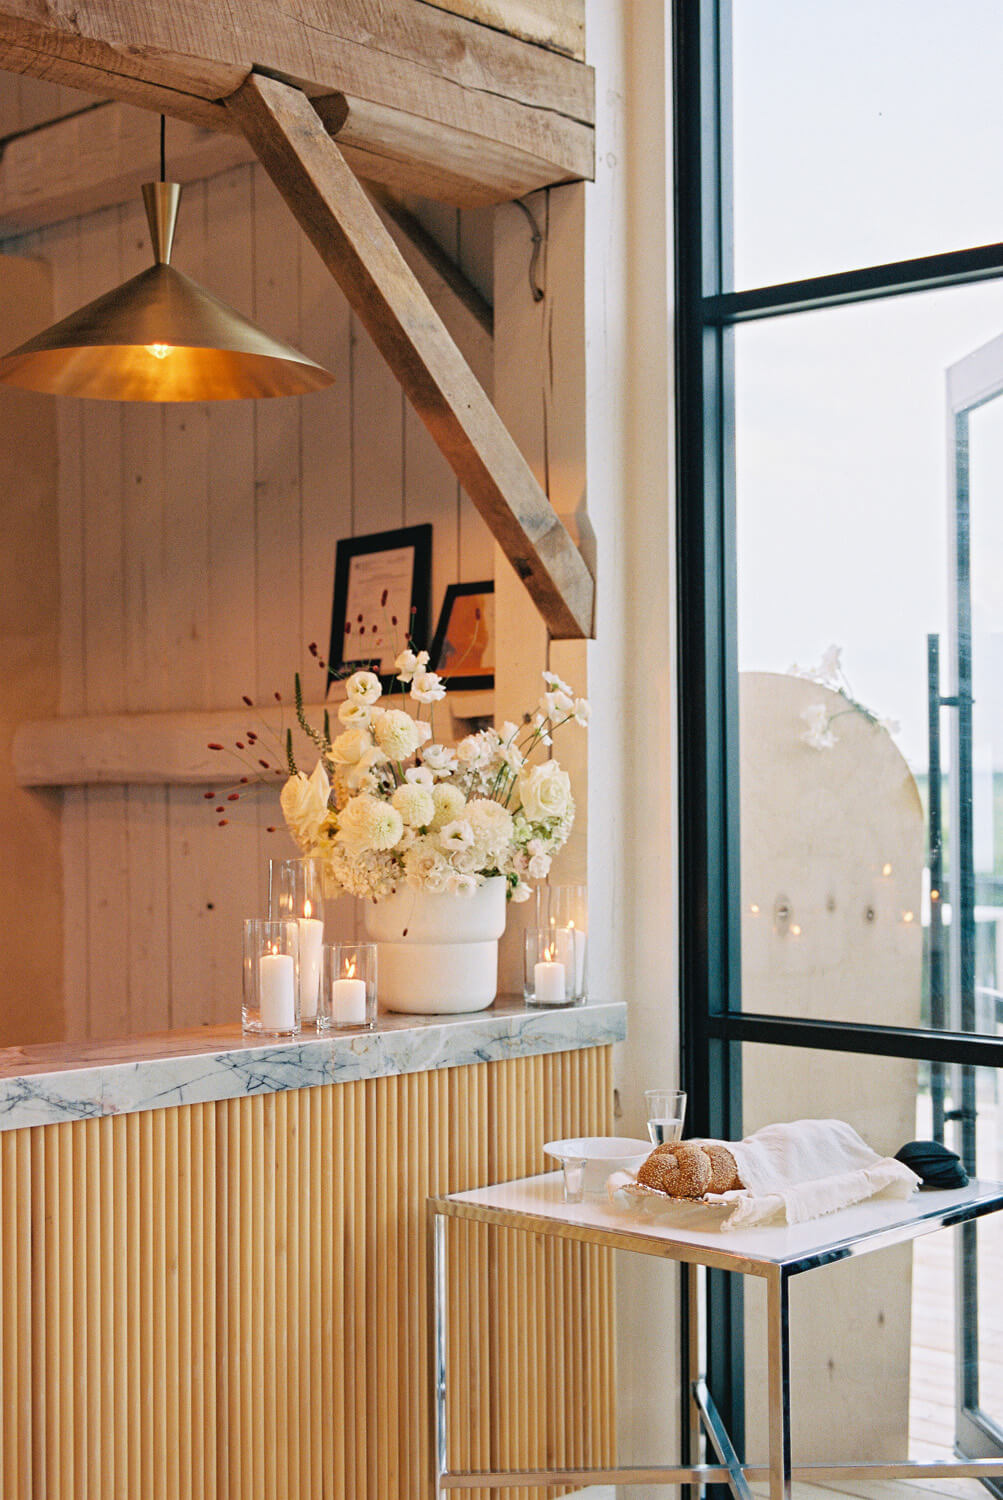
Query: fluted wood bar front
{"x":227,"y":1299}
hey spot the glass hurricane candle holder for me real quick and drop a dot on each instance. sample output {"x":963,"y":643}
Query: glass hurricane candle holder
{"x":567,"y":906}
{"x":549,"y":974}
{"x":296,"y":892}
{"x":271,"y":977}
{"x":348,"y":986}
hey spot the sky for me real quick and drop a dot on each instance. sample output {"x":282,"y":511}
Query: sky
{"x":865,"y":132}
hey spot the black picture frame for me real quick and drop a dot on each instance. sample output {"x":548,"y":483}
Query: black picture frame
{"x":460,"y":680}
{"x":354,"y":583}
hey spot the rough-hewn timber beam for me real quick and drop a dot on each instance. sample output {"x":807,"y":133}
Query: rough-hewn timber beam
{"x":312,"y":175}
{"x":459,"y":110}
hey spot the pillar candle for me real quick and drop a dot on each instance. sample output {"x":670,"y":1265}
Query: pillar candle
{"x":348,"y":1002}
{"x":548,"y":983}
{"x":311,"y":936}
{"x":277,"y":981}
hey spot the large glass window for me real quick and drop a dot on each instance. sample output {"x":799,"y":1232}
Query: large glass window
{"x":841,"y":616}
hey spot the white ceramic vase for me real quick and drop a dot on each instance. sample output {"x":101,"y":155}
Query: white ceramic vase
{"x":438,"y":954}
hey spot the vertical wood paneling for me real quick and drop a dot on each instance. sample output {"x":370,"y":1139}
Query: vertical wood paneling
{"x":229,"y":1299}
{"x":196,"y":564}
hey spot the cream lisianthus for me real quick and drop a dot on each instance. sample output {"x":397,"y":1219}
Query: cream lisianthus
{"x":415,"y":805}
{"x":304,"y":804}
{"x":355,"y":715}
{"x":419,"y":776}
{"x":440,"y":760}
{"x":364,"y":687}
{"x":427,"y":687}
{"x":397,"y":734}
{"x":410,"y":662}
{"x":367,"y":822}
{"x":545,"y":792}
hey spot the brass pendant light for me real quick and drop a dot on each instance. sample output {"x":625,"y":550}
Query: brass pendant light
{"x":160,"y":337}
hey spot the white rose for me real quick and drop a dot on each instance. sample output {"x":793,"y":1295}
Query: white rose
{"x":304,"y":804}
{"x":545,"y":792}
{"x":363,"y":687}
{"x":539,"y":867}
{"x":521,"y":892}
{"x":415,"y":805}
{"x":459,"y":884}
{"x":397,"y":734}
{"x":367,"y":822}
{"x":427,"y":687}
{"x":349,"y":747}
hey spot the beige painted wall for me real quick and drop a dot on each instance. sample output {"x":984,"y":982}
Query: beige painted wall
{"x":31,"y":978}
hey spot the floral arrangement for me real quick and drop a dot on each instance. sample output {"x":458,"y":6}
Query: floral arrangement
{"x":829,"y":673}
{"x":387,"y":805}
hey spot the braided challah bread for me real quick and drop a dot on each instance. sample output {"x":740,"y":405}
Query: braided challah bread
{"x":689,"y":1169}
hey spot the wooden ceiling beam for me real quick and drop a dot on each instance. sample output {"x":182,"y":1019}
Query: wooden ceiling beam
{"x":330,"y":205}
{"x":470,"y":112}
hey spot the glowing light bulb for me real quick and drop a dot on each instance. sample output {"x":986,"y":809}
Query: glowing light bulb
{"x":159,"y":351}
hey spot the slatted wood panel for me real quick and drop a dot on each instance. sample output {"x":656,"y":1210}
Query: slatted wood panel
{"x":227,"y":1301}
{"x":196,"y":564}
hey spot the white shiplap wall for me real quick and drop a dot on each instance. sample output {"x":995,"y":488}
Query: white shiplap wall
{"x":197,"y":557}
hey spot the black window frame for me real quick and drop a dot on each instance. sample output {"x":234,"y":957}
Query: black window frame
{"x":713,"y":1027}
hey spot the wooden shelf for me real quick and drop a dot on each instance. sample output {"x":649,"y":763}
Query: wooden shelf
{"x":172,"y":749}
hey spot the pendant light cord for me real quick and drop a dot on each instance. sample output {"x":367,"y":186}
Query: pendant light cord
{"x":163,"y":148}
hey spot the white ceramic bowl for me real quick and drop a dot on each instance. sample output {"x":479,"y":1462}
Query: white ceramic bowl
{"x":602,"y":1155}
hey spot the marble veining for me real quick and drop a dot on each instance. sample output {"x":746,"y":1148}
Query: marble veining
{"x":47,"y":1084}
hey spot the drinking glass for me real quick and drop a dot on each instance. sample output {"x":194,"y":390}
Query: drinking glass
{"x":271,"y":979}
{"x":296,"y":892}
{"x":666,"y":1109}
{"x":348,"y":987}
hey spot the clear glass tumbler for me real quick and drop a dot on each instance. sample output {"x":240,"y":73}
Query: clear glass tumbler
{"x":666,"y":1110}
{"x":549,"y":972}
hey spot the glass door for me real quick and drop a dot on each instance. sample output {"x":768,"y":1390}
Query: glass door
{"x":971,"y":1115}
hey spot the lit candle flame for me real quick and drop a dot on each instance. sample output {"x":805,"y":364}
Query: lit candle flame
{"x":350,"y":971}
{"x":307,"y":909}
{"x":549,"y":954}
{"x":886,"y":869}
{"x":159,"y":351}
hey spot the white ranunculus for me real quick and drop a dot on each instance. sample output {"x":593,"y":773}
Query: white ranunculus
{"x":355,"y":715}
{"x":349,"y":747}
{"x":545,"y":791}
{"x":427,"y":687}
{"x":397,"y":734}
{"x":415,"y":805}
{"x":304,"y":804}
{"x":363,"y":687}
{"x":367,"y":822}
{"x":410,"y":662}
{"x":449,"y":803}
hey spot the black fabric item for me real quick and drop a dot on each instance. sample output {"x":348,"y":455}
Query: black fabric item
{"x":934,"y":1164}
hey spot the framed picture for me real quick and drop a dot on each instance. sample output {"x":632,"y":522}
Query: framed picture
{"x":381,"y":598}
{"x":463,"y":651}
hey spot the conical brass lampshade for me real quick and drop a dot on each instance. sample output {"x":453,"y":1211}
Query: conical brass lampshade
{"x":160,"y":337}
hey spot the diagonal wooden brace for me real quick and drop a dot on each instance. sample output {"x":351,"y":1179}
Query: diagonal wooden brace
{"x":310,"y":172}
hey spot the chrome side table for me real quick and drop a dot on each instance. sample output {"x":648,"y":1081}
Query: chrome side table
{"x":536,"y":1205}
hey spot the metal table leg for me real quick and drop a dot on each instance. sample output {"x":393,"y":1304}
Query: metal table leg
{"x":779,"y":1382}
{"x":437,"y":1343}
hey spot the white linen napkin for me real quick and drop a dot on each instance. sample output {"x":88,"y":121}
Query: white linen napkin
{"x":792,"y":1173}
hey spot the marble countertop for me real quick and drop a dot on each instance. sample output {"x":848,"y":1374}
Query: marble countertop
{"x":60,"y":1081}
